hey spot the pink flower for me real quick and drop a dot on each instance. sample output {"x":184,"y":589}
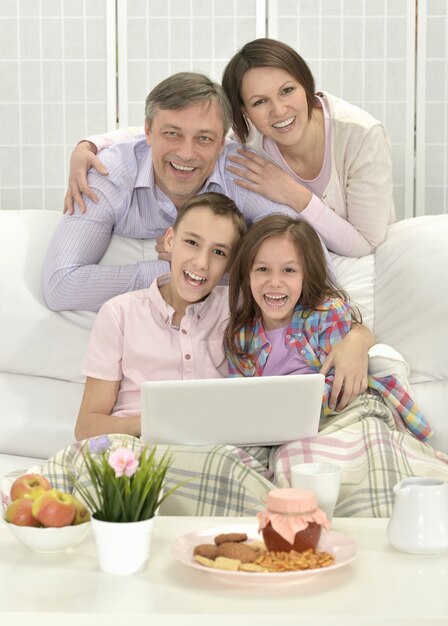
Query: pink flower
{"x":123,"y":461}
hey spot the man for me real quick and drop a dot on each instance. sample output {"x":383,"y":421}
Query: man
{"x":187,"y":117}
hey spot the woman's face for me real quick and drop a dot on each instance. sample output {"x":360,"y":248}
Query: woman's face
{"x":275,"y":103}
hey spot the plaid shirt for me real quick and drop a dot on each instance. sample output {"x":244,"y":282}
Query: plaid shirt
{"x":314,"y":336}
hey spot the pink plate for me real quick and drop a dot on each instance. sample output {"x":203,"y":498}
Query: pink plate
{"x":343,"y":548}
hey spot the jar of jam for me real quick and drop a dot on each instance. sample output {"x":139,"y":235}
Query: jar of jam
{"x":291,"y":521}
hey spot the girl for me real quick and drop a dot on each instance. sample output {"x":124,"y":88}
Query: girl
{"x":287,"y":315}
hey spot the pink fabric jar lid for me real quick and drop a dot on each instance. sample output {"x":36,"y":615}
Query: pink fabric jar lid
{"x":291,"y":501}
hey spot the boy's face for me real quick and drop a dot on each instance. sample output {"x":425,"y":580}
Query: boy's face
{"x":200,"y":249}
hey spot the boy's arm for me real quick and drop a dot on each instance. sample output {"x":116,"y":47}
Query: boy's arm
{"x":95,"y":417}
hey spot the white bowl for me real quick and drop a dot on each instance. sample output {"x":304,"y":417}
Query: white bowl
{"x":49,"y":540}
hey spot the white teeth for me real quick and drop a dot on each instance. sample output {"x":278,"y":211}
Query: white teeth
{"x":285,"y":123}
{"x":275,"y":297}
{"x":194,"y":276}
{"x":182,"y":168}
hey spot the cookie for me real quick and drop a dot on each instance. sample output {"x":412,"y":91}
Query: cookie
{"x":252,"y":567}
{"x":222,"y":562}
{"x":230,"y":537}
{"x":238,"y":551}
{"x":208,"y":550}
{"x":203,"y":561}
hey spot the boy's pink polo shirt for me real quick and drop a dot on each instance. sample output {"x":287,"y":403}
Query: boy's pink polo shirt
{"x":132,"y":340}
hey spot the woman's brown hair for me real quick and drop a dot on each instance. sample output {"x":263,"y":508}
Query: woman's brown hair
{"x":263,"y":53}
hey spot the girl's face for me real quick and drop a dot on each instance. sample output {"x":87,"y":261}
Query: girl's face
{"x":276,"y":280}
{"x":275,"y":103}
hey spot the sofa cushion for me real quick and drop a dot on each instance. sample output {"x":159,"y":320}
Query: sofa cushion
{"x":41,"y":342}
{"x":357,"y":278}
{"x":411,"y":295}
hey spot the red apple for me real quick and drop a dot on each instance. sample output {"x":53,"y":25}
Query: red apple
{"x":54,"y":508}
{"x":19,"y":512}
{"x":82,"y":512}
{"x":26,"y":484}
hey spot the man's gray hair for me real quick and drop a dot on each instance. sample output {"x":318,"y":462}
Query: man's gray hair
{"x":184,"y":89}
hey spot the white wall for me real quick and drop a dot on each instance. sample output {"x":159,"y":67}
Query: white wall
{"x":59,"y":65}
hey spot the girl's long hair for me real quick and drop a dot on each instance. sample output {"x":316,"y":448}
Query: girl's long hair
{"x":318,"y":284}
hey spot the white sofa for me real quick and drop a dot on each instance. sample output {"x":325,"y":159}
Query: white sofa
{"x":402,"y":290}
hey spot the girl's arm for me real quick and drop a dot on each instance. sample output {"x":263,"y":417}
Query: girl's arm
{"x":349,"y":357}
{"x":83,"y":158}
{"x":342,"y":346}
{"x":95,"y":417}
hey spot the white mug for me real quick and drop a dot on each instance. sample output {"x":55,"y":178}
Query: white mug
{"x":323,"y":479}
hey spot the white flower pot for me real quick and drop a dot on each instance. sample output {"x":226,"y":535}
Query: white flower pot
{"x":123,"y":548}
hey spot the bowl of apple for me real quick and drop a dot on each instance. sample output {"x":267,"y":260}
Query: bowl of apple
{"x":43,"y":518}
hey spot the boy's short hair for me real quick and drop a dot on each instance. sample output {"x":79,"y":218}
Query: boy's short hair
{"x":219,"y":204}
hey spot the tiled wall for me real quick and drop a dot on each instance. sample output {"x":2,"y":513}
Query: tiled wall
{"x":59,"y":60}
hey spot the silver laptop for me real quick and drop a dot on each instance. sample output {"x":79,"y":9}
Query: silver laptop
{"x":265,"y":410}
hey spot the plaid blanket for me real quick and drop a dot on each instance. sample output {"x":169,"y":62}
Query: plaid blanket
{"x":228,"y":481}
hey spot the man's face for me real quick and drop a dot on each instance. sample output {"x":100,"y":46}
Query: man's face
{"x":185,"y":145}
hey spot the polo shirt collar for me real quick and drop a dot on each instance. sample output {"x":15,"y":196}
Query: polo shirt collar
{"x":199,"y":309}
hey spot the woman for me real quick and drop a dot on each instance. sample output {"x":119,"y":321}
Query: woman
{"x":334,"y":157}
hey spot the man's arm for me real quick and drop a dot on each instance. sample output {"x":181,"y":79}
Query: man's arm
{"x":95,"y":417}
{"x":73,"y":280}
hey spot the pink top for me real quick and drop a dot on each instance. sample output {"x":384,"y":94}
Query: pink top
{"x":284,"y":360}
{"x":291,"y":510}
{"x":132,"y":341}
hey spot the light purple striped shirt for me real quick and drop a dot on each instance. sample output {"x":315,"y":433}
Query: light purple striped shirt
{"x":129,"y":205}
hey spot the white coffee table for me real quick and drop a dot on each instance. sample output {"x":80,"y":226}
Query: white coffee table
{"x":381,"y":587}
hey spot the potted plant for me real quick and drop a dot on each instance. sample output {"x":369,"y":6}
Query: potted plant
{"x":126,"y":489}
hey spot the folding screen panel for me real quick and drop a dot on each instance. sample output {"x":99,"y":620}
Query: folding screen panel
{"x":362,"y":51}
{"x":432,"y":108}
{"x":72,"y":67}
{"x":157,"y":38}
{"x":54,"y":90}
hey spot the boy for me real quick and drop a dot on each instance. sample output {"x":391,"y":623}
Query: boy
{"x":173,"y":330}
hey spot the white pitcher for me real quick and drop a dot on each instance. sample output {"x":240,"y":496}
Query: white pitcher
{"x":419,"y":520}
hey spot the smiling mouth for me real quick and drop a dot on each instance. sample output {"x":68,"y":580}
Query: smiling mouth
{"x":275,"y":301}
{"x":182,"y":168}
{"x":193,"y":279}
{"x":285,"y":123}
